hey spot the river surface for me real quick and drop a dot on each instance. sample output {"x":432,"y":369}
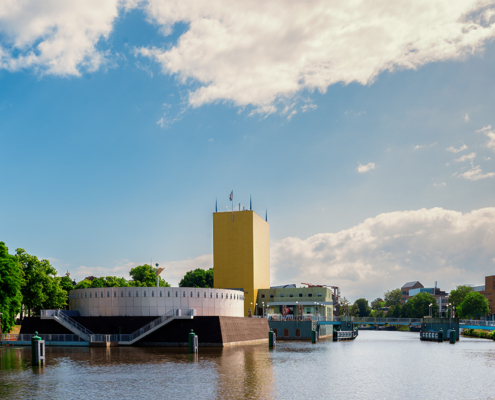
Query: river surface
{"x":377,"y":365}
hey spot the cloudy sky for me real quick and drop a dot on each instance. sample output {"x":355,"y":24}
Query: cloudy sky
{"x":365,"y":129}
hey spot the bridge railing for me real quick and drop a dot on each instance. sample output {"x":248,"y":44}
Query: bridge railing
{"x":476,"y":322}
{"x":26,"y":337}
{"x":370,"y":320}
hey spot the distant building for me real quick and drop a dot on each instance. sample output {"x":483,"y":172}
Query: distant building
{"x":404,"y":290}
{"x":291,"y":300}
{"x":488,"y":290}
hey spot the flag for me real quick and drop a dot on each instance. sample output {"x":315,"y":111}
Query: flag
{"x":231,"y":197}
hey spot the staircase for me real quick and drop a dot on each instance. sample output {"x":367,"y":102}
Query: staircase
{"x":68,"y":323}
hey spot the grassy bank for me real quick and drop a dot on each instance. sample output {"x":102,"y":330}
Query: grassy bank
{"x":479,"y":333}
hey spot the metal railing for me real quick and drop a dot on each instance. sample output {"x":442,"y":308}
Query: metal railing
{"x":58,"y":314}
{"x":141,"y":331}
{"x":476,"y":322}
{"x":26,"y":337}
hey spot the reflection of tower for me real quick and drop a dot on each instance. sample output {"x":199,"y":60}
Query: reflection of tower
{"x":245,"y":372}
{"x":241,"y":253}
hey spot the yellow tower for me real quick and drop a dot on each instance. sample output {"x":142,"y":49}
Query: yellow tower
{"x":241,"y":254}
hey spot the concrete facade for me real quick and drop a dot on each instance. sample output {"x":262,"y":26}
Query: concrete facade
{"x":154,"y":302}
{"x":488,"y":292}
{"x":241,"y":253}
{"x":274,"y":300}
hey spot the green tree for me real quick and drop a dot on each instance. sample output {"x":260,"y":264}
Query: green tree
{"x":475,"y":305}
{"x":362,"y":308}
{"x":10,"y":288}
{"x":394,"y":311}
{"x":407,"y":310}
{"x":66,"y":283}
{"x":198,"y":278}
{"x":111,"y":281}
{"x":421,"y":305}
{"x":392,"y":297}
{"x":375,"y":304}
{"x":84,"y":284}
{"x":146,"y":276}
{"x":40,"y":285}
{"x":457,"y":295}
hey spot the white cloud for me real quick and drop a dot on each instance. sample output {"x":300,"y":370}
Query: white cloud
{"x":466,"y":117}
{"x":466,"y":157}
{"x":490,"y":133}
{"x":258,"y":52}
{"x":454,"y":150}
{"x":365,"y":168}
{"x":475,"y":173}
{"x":390,"y":249}
{"x":419,"y":146}
{"x":440,"y":184}
{"x":55,"y":36}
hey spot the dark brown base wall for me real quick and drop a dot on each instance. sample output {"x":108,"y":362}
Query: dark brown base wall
{"x":211,"y":331}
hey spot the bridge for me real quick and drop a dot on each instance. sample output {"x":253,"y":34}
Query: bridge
{"x":463,"y":323}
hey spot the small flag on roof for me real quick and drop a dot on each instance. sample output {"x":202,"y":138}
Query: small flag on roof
{"x":231,"y":197}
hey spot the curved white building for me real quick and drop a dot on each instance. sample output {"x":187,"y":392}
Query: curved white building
{"x":155,"y":301}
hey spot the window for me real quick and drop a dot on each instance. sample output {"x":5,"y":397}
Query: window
{"x":298,"y":333}
{"x":286,"y":332}
{"x":137,"y":293}
{"x":191,"y":294}
{"x":90,"y":295}
{"x":114,"y":293}
{"x":122,"y":293}
{"x":129,"y":293}
{"x":300,"y":295}
{"x":310,"y":294}
{"x":205,"y":295}
{"x":183,"y":294}
{"x":319,"y":294}
{"x":101,"y":294}
{"x":145,"y":293}
{"x":176,"y":294}
{"x":198,"y":294}
{"x":222,"y":295}
{"x":263,"y":296}
{"x":217,"y":295}
{"x":108,"y":294}
{"x":152,"y":293}
{"x":282,"y":295}
{"x":96,"y":294}
{"x":231,"y":296}
{"x":211,"y":295}
{"x":291,"y":294}
{"x":271,"y":296}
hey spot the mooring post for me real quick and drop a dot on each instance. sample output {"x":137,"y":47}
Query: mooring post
{"x":272,"y":338}
{"x":193,"y":342}
{"x":314,"y":336}
{"x":37,"y":350}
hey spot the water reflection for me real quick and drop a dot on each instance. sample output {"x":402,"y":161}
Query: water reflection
{"x":384,"y":365}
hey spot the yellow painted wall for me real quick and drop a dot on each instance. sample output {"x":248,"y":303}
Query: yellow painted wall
{"x":241,"y":253}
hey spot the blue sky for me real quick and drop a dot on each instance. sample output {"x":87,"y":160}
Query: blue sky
{"x":116,"y":143}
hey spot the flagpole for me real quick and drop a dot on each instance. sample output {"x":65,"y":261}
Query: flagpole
{"x":232,"y":205}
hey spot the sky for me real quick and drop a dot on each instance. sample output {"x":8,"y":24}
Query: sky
{"x":365,"y":130}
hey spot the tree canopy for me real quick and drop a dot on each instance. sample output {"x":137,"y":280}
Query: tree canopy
{"x":475,"y":305}
{"x":10,"y":288}
{"x":377,"y":303}
{"x":146,"y":275}
{"x":392,"y":297}
{"x":198,"y":278}
{"x":457,"y":295}
{"x":40,"y":285}
{"x":360,"y":308}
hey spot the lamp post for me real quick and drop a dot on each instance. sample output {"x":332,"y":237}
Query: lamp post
{"x":430,"y":312}
{"x":256,"y":309}
{"x":263,"y":308}
{"x":450,"y":315}
{"x":297,"y":308}
{"x":251,"y":308}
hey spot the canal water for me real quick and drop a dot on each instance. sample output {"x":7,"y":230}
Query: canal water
{"x":377,"y":365}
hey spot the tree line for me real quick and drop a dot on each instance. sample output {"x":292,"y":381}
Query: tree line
{"x":467,"y":303}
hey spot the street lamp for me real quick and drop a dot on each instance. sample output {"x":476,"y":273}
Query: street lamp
{"x":256,"y":309}
{"x":450,"y":315}
{"x":263,"y":308}
{"x":297,"y":308}
{"x":251,"y":308}
{"x":430,"y":312}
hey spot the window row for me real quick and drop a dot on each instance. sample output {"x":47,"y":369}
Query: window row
{"x":292,"y":295}
{"x":129,"y":294}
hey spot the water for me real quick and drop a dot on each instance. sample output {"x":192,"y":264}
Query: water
{"x":377,"y":365}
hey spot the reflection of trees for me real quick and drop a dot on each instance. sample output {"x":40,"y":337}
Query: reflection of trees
{"x":245,"y":372}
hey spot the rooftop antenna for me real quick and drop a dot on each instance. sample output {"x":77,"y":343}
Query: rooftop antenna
{"x":250,"y":204}
{"x":216,"y":205}
{"x":266,"y":215}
